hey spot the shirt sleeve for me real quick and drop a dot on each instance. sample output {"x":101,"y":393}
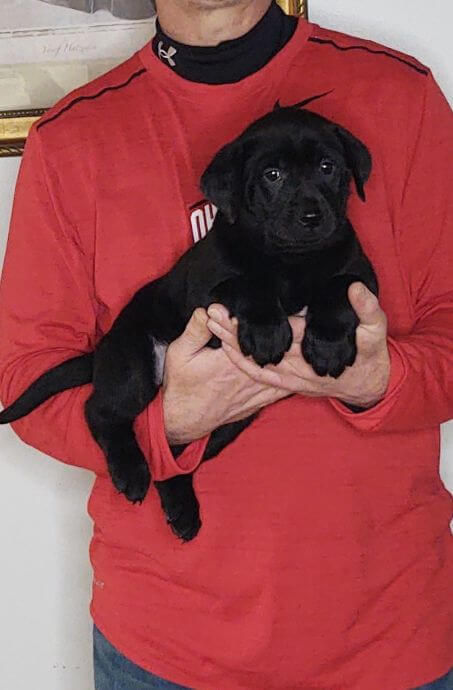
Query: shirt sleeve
{"x":47,"y":315}
{"x":420,"y":391}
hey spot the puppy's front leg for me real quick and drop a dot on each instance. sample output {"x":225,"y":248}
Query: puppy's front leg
{"x":329,"y":343}
{"x":263,"y":328}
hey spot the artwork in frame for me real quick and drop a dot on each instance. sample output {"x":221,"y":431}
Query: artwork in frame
{"x":50,"y":47}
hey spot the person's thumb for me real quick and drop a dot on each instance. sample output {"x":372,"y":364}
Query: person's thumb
{"x":196,"y":334}
{"x":366,"y":306}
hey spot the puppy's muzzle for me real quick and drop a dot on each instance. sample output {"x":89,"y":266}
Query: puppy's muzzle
{"x":311,"y":219}
{"x":310,"y":213}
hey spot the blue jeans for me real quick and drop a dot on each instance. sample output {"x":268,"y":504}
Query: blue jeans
{"x":112,"y":671}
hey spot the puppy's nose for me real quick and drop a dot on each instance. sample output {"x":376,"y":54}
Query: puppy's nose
{"x":311,"y":218}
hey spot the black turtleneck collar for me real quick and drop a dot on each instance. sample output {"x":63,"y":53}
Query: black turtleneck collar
{"x":229,"y":61}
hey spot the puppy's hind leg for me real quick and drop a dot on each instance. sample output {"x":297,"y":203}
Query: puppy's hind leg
{"x":177,"y":496}
{"x":126,"y":463}
{"x":224,"y":435}
{"x":180,"y":505}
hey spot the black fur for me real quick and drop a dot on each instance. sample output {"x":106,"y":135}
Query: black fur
{"x":280,"y":241}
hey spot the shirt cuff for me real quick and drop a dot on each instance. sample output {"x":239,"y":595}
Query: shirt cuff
{"x":152,"y":438}
{"x":372,"y":418}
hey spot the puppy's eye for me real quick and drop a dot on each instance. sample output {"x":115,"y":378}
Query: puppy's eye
{"x":272,"y":174}
{"x":327,"y":166}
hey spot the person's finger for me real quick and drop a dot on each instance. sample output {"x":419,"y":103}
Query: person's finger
{"x":226,"y":335}
{"x":196,"y":334}
{"x":297,"y":324}
{"x":218,"y":313}
{"x":265,"y":395}
{"x":248,"y":366}
{"x":269,"y":375}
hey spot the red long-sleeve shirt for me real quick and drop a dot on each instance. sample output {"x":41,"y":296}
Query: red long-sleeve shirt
{"x":325,"y":559}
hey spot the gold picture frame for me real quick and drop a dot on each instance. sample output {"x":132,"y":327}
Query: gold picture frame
{"x":15,"y":124}
{"x":296,"y":8}
{"x":14,"y":128}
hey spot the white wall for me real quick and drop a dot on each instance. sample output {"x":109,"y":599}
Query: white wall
{"x":416,"y":27}
{"x":44,"y":531}
{"x":45,"y":575}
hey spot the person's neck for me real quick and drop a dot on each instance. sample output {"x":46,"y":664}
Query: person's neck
{"x":194,"y":23}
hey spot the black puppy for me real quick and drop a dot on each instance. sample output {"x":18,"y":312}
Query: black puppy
{"x":280,"y":241}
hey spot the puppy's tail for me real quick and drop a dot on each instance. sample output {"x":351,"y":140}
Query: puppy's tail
{"x":69,"y":374}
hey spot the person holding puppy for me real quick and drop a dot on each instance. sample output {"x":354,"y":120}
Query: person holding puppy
{"x":327,"y":558}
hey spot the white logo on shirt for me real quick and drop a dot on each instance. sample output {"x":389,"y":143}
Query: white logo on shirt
{"x":202,"y":219}
{"x":166,"y":54}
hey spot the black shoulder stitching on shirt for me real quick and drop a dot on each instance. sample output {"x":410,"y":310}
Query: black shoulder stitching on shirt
{"x":369,"y":50}
{"x":88,"y":98}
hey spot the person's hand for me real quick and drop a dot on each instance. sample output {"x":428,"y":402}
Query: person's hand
{"x":203,"y":389}
{"x":361,"y":385}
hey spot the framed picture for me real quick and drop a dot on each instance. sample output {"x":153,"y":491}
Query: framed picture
{"x":50,"y":47}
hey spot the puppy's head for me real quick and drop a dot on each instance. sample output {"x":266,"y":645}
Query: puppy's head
{"x":286,"y":180}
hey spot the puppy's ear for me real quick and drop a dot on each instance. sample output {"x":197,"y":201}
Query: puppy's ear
{"x":358,"y":159}
{"x":220,"y":182}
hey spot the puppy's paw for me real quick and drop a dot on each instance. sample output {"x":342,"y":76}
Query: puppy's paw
{"x":329,"y":356}
{"x":131,"y":478}
{"x":185,"y":521}
{"x":266,"y":343}
{"x":180,"y":506}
